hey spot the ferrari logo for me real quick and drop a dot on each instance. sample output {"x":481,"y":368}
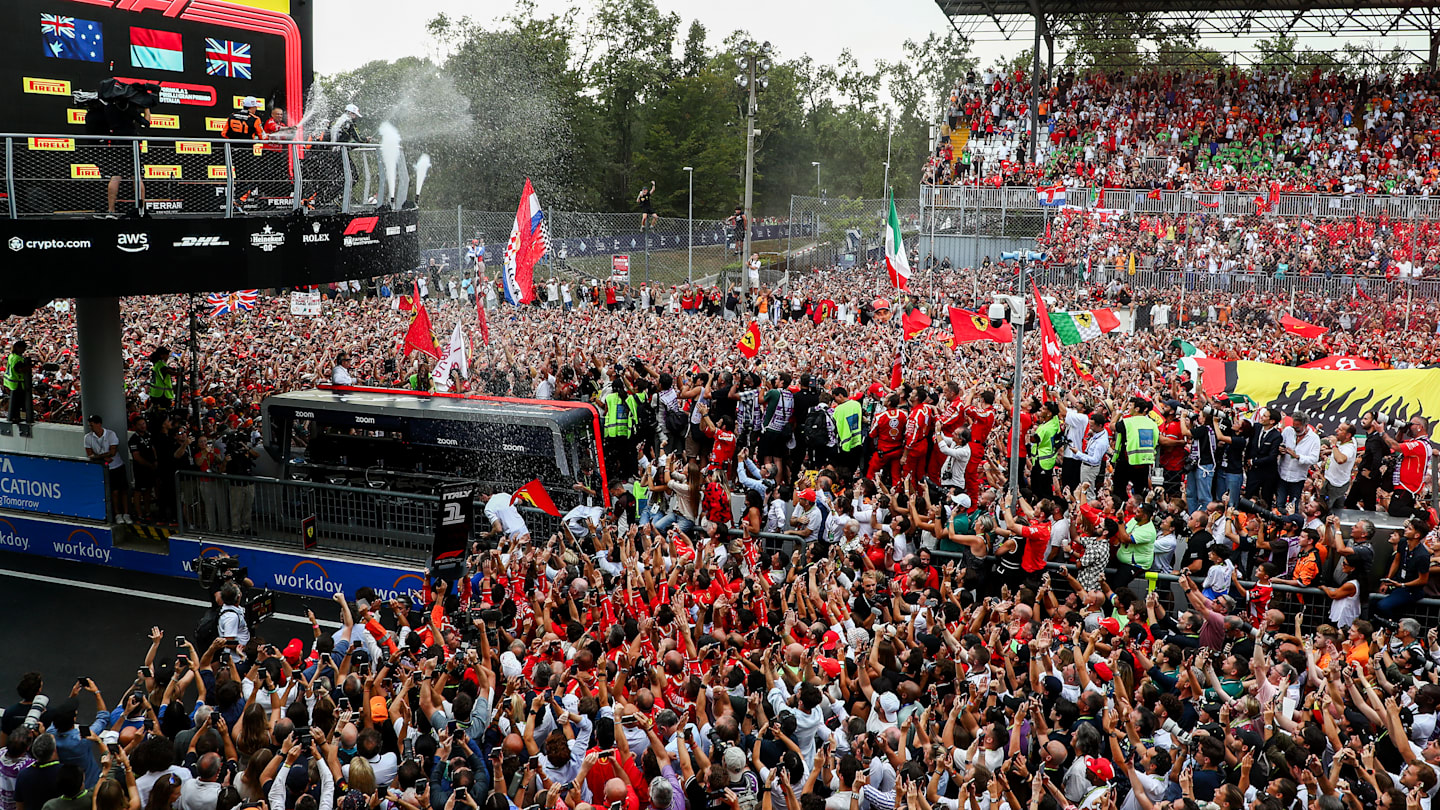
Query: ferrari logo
{"x":747,"y":340}
{"x":980,"y":322}
{"x":1084,"y":319}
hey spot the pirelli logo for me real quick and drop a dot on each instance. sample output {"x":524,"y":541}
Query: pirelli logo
{"x":52,"y":144}
{"x":163,"y":121}
{"x":192,"y":148}
{"x":153,"y":172}
{"x":84,"y":171}
{"x":46,"y":87}
{"x":215,"y":124}
{"x":217,"y":172}
{"x":74,"y":116}
{"x":235,"y":102}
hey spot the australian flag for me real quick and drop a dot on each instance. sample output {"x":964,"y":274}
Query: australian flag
{"x":71,"y":38}
{"x":226,"y":58}
{"x":231,"y":303}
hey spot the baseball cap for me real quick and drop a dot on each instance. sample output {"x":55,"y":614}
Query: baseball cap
{"x":876,"y":390}
{"x":807,"y":495}
{"x":378,"y":709}
{"x":1103,"y":670}
{"x":351,"y":108}
{"x":889,"y":704}
{"x":734,"y":762}
{"x":829,"y":666}
{"x":294,"y":650}
{"x":829,"y":640}
{"x":1110,"y":624}
{"x":1101,"y":767}
{"x":961,"y":500}
{"x":249,"y":102}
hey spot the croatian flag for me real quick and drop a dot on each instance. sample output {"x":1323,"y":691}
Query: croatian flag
{"x":156,"y":50}
{"x":527,"y":244}
{"x":226,"y":58}
{"x":1052,"y":196}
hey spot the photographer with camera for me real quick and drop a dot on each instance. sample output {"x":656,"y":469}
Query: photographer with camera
{"x":1412,"y":444}
{"x":1299,"y":451}
{"x":240,"y":455}
{"x":1370,"y":477}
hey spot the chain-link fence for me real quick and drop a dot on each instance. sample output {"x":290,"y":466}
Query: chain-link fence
{"x":833,"y":231}
{"x":589,"y":245}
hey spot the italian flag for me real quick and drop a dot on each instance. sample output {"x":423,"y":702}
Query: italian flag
{"x":895,"y":261}
{"x":1082,"y":325}
{"x":1190,"y":357}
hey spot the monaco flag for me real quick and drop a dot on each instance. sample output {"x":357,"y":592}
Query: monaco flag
{"x":896,"y":263}
{"x":526,"y":246}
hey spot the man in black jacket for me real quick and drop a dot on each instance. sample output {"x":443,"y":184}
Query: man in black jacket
{"x":1262,"y":457}
{"x":1369,"y":475}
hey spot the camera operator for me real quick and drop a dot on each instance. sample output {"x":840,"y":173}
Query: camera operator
{"x":1412,"y":444}
{"x":120,"y":109}
{"x":240,"y":458}
{"x":232,"y":625}
{"x":1232,"y":433}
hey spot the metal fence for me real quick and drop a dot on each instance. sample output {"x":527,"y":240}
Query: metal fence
{"x":832,"y":231}
{"x":585,"y":245}
{"x":357,"y":520}
{"x":1380,"y":291}
{"x":59,"y":175}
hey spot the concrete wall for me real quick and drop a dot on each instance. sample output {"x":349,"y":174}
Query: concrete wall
{"x":66,"y":441}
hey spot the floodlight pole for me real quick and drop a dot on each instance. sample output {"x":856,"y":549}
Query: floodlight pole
{"x":1035,"y":92}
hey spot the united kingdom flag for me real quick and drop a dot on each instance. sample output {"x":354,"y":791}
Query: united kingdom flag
{"x":226,"y":58}
{"x":231,"y":303}
{"x":58,"y":25}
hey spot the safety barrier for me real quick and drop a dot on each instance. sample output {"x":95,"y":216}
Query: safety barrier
{"x":59,"y":175}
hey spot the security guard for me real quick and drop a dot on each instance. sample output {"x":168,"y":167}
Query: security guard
{"x":1047,"y":454}
{"x":162,"y":380}
{"x":17,"y":383}
{"x":849,"y":430}
{"x":245,"y":124}
{"x":1135,"y":437}
{"x":619,"y":421}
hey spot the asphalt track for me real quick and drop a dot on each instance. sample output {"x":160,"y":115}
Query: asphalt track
{"x":67,"y":620}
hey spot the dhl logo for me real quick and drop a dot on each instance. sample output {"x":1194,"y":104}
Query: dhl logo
{"x":164,"y":121}
{"x":235,"y":102}
{"x":52,"y":144}
{"x":192,"y":148}
{"x":74,"y":116}
{"x":84,"y":171}
{"x":217,"y":172}
{"x":46,"y":87}
{"x":215,"y":124}
{"x":162,"y":172}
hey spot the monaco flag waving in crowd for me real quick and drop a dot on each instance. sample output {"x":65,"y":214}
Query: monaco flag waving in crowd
{"x":526,"y":246}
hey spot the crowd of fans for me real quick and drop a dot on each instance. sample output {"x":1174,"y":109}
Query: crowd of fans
{"x":1214,"y":130}
{"x":908,"y":644}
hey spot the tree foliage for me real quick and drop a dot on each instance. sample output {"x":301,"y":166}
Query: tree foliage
{"x":594,"y":107}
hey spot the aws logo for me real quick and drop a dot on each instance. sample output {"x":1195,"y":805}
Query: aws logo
{"x":309,"y":576}
{"x":82,"y":545}
{"x":403,"y":587}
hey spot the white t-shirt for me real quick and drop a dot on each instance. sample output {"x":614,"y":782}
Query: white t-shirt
{"x":499,"y":508}
{"x":1338,"y":474}
{"x":102,"y":444}
{"x":341,"y":376}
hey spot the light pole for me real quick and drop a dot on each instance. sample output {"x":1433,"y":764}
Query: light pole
{"x":690,"y":231}
{"x":816,"y":164}
{"x":757,"y":64}
{"x":1017,"y":320}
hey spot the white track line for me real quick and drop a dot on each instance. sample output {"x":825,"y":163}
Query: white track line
{"x":159,"y":597}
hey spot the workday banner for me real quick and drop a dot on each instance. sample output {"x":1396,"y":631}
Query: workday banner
{"x":52,"y":486}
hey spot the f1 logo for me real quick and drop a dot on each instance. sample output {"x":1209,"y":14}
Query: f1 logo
{"x":453,"y":515}
{"x":361,"y":225}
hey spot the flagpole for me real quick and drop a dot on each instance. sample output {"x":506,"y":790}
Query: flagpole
{"x":194,"y":366}
{"x":1019,"y":324}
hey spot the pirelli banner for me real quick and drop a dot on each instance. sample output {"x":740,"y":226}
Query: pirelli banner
{"x":47,"y":259}
{"x":1330,"y":396}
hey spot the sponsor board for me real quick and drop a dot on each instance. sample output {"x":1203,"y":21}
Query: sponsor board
{"x":192,"y":147}
{"x":84,"y":171}
{"x":165,"y":205}
{"x":164,"y":121}
{"x":74,"y":116}
{"x":200,"y":242}
{"x":315,"y":235}
{"x":215,"y":124}
{"x":267,"y":239}
{"x":52,"y":144}
{"x":133,"y":242}
{"x":190,"y":95}
{"x":162,"y":172}
{"x":217,"y":172}
{"x":16,"y":244}
{"x":361,"y":231}
{"x":307,"y":574}
{"x":52,"y":486}
{"x":235,"y":101}
{"x":46,"y":87}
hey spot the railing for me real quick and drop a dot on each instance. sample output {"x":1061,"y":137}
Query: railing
{"x":60,"y":175}
{"x":1141,"y":201}
{"x":270,"y":511}
{"x":1334,"y":286}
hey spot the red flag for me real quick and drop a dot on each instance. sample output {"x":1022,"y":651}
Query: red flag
{"x":1295,"y":326}
{"x":1359,"y":293}
{"x":1153,"y":194}
{"x":1082,"y":372}
{"x":1343,"y":362}
{"x":972,"y":326}
{"x":914,"y":322}
{"x":897,"y":371}
{"x":823,"y":310}
{"x":407,"y":303}
{"x":749,"y":344}
{"x":1049,"y":341}
{"x":480,"y":309}
{"x":420,"y":336}
{"x":534,"y":494}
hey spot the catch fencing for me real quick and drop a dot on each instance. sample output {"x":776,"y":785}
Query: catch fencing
{"x":835,"y":231}
{"x":584,"y":246}
{"x":66,"y":175}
